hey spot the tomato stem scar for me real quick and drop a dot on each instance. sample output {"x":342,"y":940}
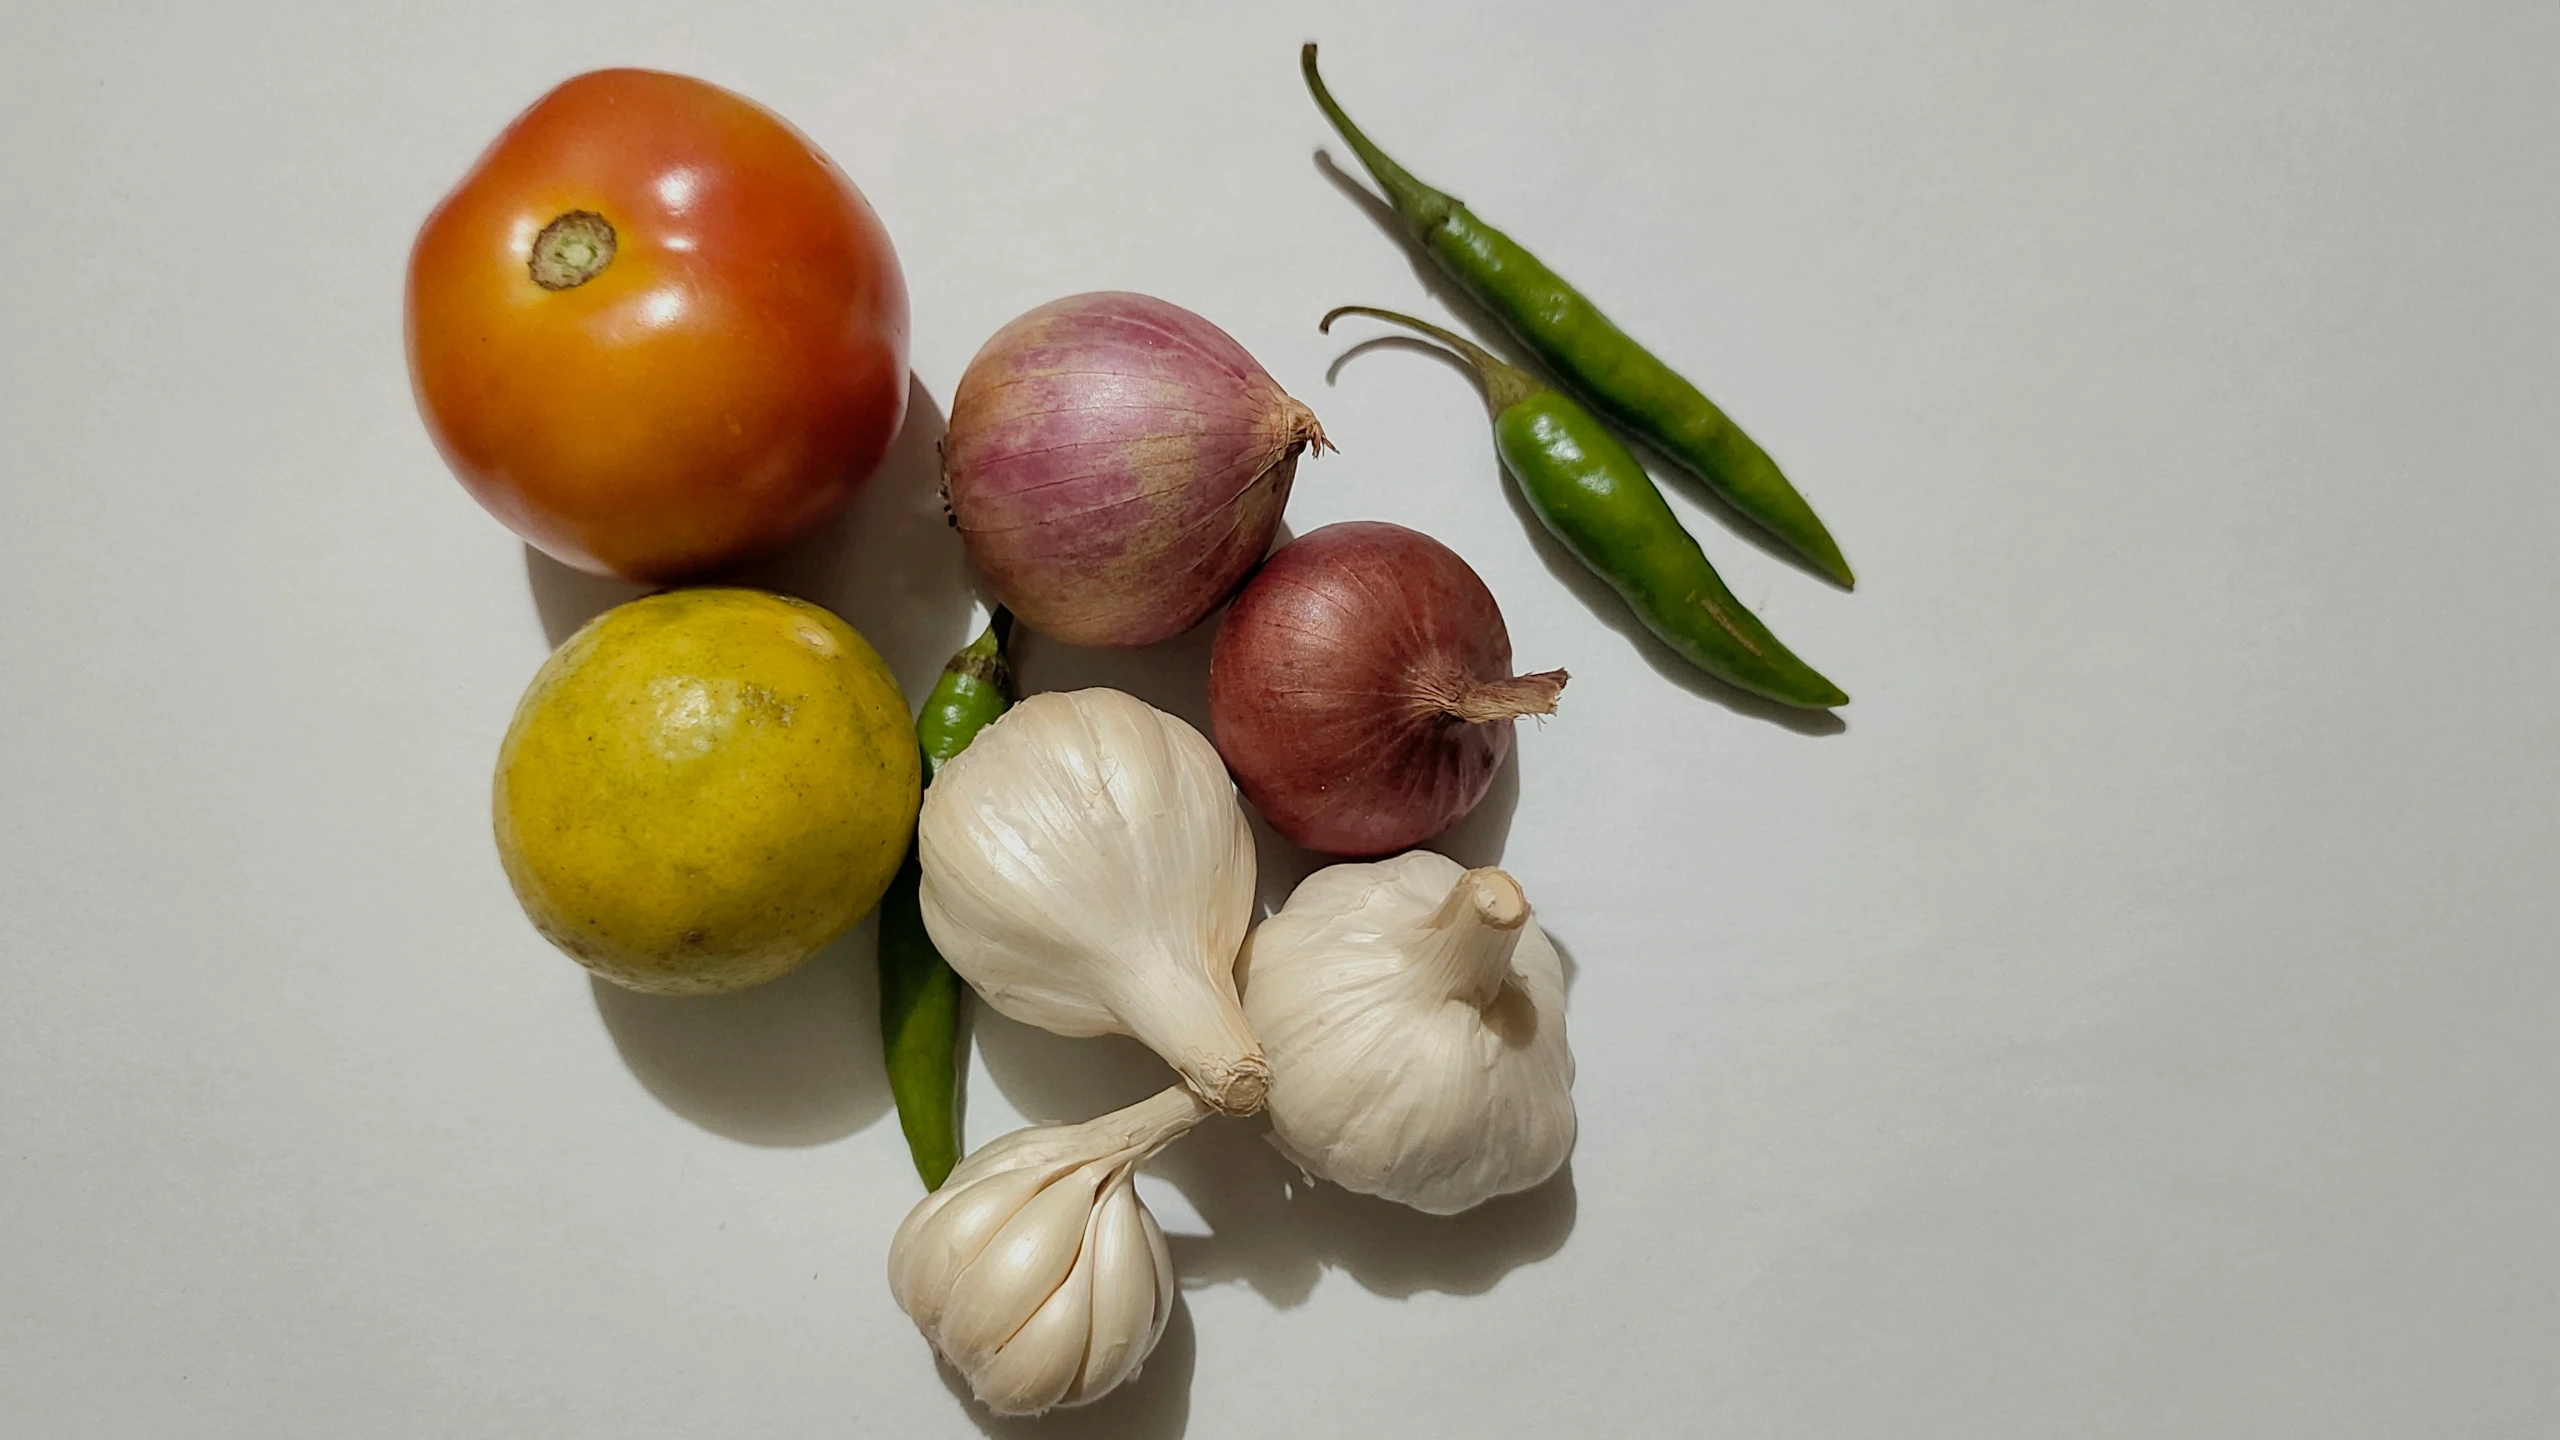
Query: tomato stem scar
{"x":571,"y":251}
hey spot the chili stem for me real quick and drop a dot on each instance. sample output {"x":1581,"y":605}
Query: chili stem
{"x":1505,"y":384}
{"x":1421,"y":206}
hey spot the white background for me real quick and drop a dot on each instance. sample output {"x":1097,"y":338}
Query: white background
{"x":2137,"y":1021}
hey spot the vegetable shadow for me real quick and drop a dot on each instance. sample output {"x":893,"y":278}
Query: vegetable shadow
{"x":1156,"y":1405}
{"x":1056,"y":1080}
{"x":889,"y":563}
{"x":566,"y":599}
{"x":1491,"y":333}
{"x":1278,"y":1231}
{"x":795,"y":1061}
{"x":1594,"y":592}
{"x":1172,"y":675}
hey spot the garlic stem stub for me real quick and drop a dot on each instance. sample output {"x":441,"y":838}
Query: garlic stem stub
{"x":1087,"y":869}
{"x":1035,"y":1269}
{"x":1413,"y":1013}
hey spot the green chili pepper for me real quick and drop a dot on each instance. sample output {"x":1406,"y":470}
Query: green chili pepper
{"x":1592,"y":493}
{"x":1596,"y":358}
{"x":919,"y":994}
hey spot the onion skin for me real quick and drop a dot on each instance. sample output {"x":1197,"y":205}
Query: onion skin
{"x":1361,"y":689}
{"x":1116,"y":465}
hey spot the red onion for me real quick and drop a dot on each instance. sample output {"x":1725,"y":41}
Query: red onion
{"x":1361,"y":689}
{"x":1116,"y":465}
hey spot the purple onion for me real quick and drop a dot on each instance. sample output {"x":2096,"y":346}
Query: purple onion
{"x":1362,"y":691}
{"x":1117,"y":465}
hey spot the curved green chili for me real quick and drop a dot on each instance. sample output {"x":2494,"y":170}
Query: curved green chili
{"x":1593,"y":356}
{"x":1592,"y":493}
{"x":919,"y":994}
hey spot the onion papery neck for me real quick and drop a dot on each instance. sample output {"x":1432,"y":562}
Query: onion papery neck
{"x":1492,"y":702}
{"x":1300,"y":430}
{"x":1465,"y":948}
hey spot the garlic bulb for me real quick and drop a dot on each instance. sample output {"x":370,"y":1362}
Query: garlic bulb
{"x":1088,"y":870}
{"x":1414,"y":1018}
{"x":1035,"y":1269}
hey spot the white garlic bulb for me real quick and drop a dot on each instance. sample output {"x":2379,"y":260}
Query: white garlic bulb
{"x":1413,"y":1013}
{"x":1035,"y":1269}
{"x":1088,"y":870}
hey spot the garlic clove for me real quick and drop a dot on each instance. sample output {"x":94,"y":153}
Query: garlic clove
{"x":1022,"y":1264}
{"x":1165,"y":1281}
{"x":1038,"y":1364}
{"x":947,"y":1231}
{"x":1127,"y":1286}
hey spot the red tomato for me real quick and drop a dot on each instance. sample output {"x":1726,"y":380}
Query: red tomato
{"x":654,"y":330}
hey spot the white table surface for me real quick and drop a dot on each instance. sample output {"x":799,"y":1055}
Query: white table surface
{"x":2138,"y":1020}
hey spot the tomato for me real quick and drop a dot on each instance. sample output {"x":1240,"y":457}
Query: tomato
{"x":655,"y":330}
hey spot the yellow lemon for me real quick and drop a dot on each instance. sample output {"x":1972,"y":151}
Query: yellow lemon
{"x":702,"y":788}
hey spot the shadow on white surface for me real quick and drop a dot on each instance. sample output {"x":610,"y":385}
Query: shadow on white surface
{"x":793,"y":1062}
{"x":1280,"y":864}
{"x":1172,"y":675}
{"x":1276,"y":1231}
{"x":1054,"y":1080}
{"x":889,"y":563}
{"x":1154,"y":1406}
{"x":566,"y":599}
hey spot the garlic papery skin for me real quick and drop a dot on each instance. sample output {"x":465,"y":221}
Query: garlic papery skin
{"x":1088,"y":870}
{"x":1035,"y":1269}
{"x":1413,"y":1013}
